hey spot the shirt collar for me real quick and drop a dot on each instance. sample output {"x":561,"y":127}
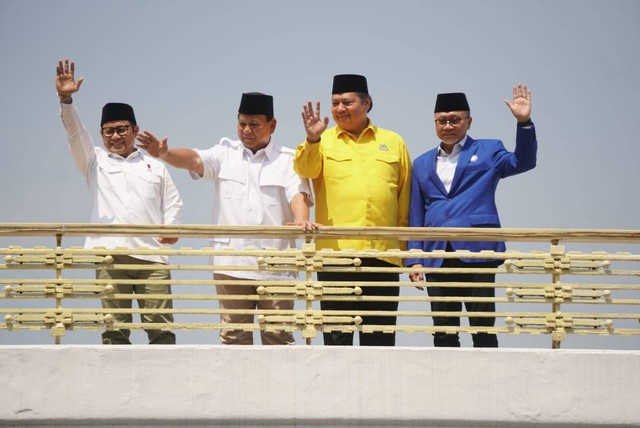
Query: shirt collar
{"x":457,"y":148}
{"x":132,"y":156}
{"x":369,"y":128}
{"x":268,"y":150}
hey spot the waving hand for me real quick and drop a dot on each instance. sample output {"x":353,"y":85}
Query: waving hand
{"x":521,"y":104}
{"x":313,"y":122}
{"x":66,"y":84}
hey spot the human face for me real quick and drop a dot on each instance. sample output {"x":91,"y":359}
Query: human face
{"x":350,"y":112}
{"x":254,"y":130}
{"x":122,"y":145}
{"x":451,"y":134}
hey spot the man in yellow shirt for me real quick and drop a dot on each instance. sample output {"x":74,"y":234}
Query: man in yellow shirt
{"x":361,"y":177}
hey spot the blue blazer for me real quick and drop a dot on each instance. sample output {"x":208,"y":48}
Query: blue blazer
{"x":471,"y":199}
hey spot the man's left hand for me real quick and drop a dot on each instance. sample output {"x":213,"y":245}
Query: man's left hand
{"x":307,"y":226}
{"x":521,"y":104}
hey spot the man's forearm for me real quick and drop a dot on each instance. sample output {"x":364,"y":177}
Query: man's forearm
{"x":300,"y":207}
{"x":80,"y":143}
{"x":185,"y":159}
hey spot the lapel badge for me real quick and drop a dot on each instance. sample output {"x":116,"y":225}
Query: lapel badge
{"x":383,"y":147}
{"x":474,"y":158}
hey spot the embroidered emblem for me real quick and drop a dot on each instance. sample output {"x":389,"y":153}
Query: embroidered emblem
{"x":474,"y":158}
{"x":148,"y":167}
{"x":383,"y":147}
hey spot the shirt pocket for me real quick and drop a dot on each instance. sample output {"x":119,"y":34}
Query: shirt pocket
{"x":232,"y":183}
{"x":272,"y":190}
{"x":387,"y":167}
{"x":148,"y":185}
{"x":110,"y":176}
{"x":477,"y":165}
{"x":338,"y":165}
{"x":484,"y":220}
{"x":221,"y":240}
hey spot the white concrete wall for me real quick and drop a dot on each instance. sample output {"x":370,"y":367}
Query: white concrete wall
{"x":318,"y":386}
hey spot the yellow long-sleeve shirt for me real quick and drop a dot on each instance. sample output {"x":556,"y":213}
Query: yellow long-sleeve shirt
{"x":363,"y":181}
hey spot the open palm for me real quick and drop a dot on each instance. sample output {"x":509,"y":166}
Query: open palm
{"x":521,"y":104}
{"x":313,"y":122}
{"x":66,"y":84}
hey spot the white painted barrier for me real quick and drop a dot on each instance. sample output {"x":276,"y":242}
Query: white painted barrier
{"x":316,"y":386}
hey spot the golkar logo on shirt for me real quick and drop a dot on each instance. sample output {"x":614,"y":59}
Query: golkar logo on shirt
{"x":383,"y":147}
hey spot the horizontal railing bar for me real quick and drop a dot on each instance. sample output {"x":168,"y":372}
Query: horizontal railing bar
{"x":352,"y":328}
{"x":415,"y":233}
{"x":311,"y":283}
{"x":581,"y":300}
{"x":400,"y":270}
{"x":313,"y":312}
{"x":296,"y":254}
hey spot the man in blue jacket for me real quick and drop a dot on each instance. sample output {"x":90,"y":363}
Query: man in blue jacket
{"x":453,"y":185}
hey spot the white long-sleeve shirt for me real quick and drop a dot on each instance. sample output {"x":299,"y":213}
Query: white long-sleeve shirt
{"x":251,"y":189}
{"x":133,"y":190}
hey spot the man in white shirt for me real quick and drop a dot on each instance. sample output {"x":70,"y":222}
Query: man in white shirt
{"x":127,"y":187}
{"x":254,"y":184}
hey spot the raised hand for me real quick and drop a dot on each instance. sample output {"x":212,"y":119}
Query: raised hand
{"x":66,"y":85}
{"x":521,"y":104}
{"x":313,"y":123}
{"x":155,"y":147}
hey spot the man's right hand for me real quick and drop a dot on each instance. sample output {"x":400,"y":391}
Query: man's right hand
{"x":66,"y":84}
{"x":417,"y":276}
{"x":313,"y":123}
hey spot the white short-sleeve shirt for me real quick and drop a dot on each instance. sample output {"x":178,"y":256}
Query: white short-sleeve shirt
{"x":250,"y":190}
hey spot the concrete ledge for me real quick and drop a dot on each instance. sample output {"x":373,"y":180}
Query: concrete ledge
{"x":315,"y":385}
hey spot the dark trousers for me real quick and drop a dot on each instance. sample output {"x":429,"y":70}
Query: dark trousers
{"x":366,"y":339}
{"x":480,"y":340}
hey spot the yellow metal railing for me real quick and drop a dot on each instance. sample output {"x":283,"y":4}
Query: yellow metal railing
{"x":593,"y":292}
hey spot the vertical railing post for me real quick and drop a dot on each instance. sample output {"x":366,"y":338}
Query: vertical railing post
{"x":556,"y":335}
{"x":59,"y":266}
{"x":308,"y":276}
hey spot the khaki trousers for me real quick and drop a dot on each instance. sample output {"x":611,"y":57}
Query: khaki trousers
{"x":121,"y":337}
{"x":241,"y":337}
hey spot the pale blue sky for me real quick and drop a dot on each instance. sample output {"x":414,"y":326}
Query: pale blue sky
{"x":183,"y":66}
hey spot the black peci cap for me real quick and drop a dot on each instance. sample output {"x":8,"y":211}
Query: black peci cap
{"x":349,"y":83}
{"x":256,"y":103}
{"x":455,"y":101}
{"x":117,"y":111}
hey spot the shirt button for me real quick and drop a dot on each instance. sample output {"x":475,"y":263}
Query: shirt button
{"x":448,"y":218}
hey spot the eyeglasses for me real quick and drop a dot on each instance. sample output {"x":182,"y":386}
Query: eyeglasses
{"x":120,"y":130}
{"x":454,"y":121}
